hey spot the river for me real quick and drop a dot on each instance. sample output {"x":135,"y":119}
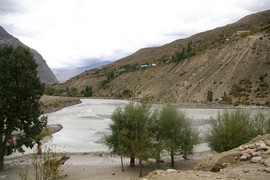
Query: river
{"x":86,"y":123}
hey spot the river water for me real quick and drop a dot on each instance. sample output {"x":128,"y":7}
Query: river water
{"x":86,"y":123}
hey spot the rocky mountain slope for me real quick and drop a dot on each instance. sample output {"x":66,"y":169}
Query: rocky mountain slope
{"x":232,"y":62}
{"x":44,"y":72}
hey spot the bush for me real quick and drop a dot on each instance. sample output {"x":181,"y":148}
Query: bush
{"x":46,"y":166}
{"x":49,"y":90}
{"x":210,"y":96}
{"x":261,"y":124}
{"x":230,"y":130}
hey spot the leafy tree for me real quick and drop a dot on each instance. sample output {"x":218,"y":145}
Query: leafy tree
{"x":130,"y":135}
{"x":72,"y":91}
{"x":176,"y":132}
{"x":88,"y":91}
{"x":155,"y":127}
{"x":20,"y":91}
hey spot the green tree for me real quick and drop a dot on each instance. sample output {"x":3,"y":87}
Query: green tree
{"x":176,"y":132}
{"x":209,"y":95}
{"x":88,"y":91}
{"x":72,"y":91}
{"x":20,"y":91}
{"x":130,"y":135}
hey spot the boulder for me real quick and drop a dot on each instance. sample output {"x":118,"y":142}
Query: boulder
{"x":256,"y":159}
{"x":267,"y":169}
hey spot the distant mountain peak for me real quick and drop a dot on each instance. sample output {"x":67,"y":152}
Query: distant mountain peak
{"x":44,"y":72}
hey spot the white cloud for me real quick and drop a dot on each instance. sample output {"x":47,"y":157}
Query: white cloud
{"x":66,"y":32}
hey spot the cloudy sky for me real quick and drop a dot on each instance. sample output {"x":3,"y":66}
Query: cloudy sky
{"x":72,"y":33}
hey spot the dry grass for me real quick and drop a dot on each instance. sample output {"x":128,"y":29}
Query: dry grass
{"x":55,"y":103}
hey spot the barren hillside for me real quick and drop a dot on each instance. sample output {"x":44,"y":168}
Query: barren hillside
{"x":233,"y":62}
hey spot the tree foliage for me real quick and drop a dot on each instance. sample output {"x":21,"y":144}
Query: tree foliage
{"x":88,"y":91}
{"x":231,"y":129}
{"x":184,"y":53}
{"x":130,"y":135}
{"x":20,"y":91}
{"x":137,"y":131}
{"x":209,"y":95}
{"x":176,"y":132}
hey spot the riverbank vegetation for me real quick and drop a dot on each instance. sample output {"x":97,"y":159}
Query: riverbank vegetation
{"x":143,"y":133}
{"x":231,"y":129}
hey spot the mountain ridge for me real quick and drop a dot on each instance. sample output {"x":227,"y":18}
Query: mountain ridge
{"x":44,"y":72}
{"x":214,"y":61}
{"x":65,"y":74}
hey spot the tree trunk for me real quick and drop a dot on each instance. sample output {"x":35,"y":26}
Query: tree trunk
{"x":122,"y":165}
{"x":158,"y":161}
{"x":140,"y":163}
{"x":39,"y":148}
{"x":158,"y":164}
{"x":1,"y":149}
{"x":132,"y":162}
{"x":172,"y":159}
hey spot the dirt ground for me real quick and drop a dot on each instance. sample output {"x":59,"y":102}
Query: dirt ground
{"x":94,"y":166}
{"x":100,"y":166}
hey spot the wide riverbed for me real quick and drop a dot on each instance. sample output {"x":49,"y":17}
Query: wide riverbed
{"x":84,"y":124}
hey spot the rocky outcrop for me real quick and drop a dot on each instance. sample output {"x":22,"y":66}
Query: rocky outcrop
{"x":44,"y":72}
{"x":253,"y":152}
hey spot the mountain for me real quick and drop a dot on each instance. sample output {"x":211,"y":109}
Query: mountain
{"x":44,"y":72}
{"x":65,"y":74}
{"x":232,"y":62}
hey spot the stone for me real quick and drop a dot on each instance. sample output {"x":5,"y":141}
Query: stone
{"x":245,"y":170}
{"x":267,"y":142}
{"x":267,"y":169}
{"x":250,"y":151}
{"x":262,"y":147}
{"x":256,"y":159}
{"x":254,"y":154}
{"x":267,"y":162}
{"x":245,"y":146}
{"x":171,"y":170}
{"x":241,"y":148}
{"x":267,"y":152}
{"x":251,"y":146}
{"x":113,"y":173}
{"x":244,"y":157}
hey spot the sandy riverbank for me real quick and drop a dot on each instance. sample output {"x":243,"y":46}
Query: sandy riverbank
{"x":97,"y":166}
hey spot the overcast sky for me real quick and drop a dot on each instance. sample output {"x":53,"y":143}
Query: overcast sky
{"x":71,"y":33}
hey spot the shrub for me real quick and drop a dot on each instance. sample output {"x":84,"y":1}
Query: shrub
{"x":261,"y":124}
{"x":46,"y":166}
{"x":230,"y":130}
{"x":210,"y":95}
{"x":236,"y":90}
{"x":49,"y":90}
